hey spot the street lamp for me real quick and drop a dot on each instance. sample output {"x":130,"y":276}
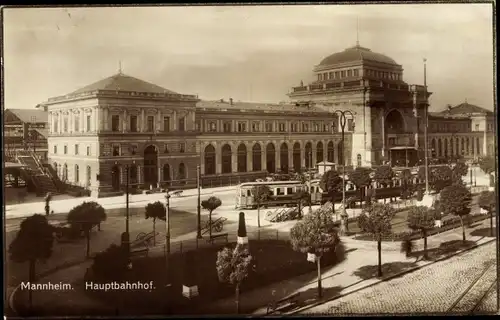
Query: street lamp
{"x":167,"y":244}
{"x":343,"y":121}
{"x":198,"y":184}
{"x":310,"y":180}
{"x":126,"y":234}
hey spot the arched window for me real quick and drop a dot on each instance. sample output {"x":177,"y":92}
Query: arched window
{"x":182,"y":172}
{"x":226,"y":159}
{"x":242,"y":158}
{"x":133,"y":174}
{"x":330,"y":152}
{"x":210,"y":158}
{"x":270,"y":158}
{"x":358,"y":160}
{"x":284,"y":157}
{"x":256,"y":157}
{"x":77,"y":174}
{"x":308,"y":155}
{"x":296,"y":157}
{"x":319,"y":152}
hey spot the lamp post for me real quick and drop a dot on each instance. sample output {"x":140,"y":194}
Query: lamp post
{"x":126,"y":234}
{"x":310,"y":180}
{"x":343,"y":121}
{"x":426,"y":138}
{"x":167,"y":245}
{"x":198,"y":184}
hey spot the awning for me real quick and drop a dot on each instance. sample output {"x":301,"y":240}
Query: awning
{"x":403,"y":148}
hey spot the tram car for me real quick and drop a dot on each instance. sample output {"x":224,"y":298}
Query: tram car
{"x":282,"y":193}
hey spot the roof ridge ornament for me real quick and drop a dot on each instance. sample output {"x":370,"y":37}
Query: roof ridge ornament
{"x":120,"y":67}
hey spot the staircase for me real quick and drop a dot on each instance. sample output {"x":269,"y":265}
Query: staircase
{"x":36,"y":173}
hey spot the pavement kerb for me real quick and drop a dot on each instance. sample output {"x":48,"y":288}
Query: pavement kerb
{"x":388,"y":278}
{"x":42,"y":275}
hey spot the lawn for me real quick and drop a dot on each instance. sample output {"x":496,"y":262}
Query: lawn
{"x":398,"y":223}
{"x":274,"y":261}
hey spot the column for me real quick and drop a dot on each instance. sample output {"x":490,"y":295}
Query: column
{"x":71,"y":120}
{"x":302,"y":155}
{"x":485,"y":146}
{"x":325,"y":151}
{"x":277,"y":154}
{"x":143,"y":119}
{"x":249,"y":160}
{"x":174,"y":120}
{"x":160,"y":177}
{"x":125,"y":120}
{"x":193,"y":121}
{"x":290,"y":156}
{"x":234,"y":159}
{"x":314,"y":160}
{"x":139,"y":174}
{"x":60,"y":119}
{"x":159,"y":121}
{"x":97,"y":118}
{"x":263,"y":158}
{"x":383,"y":132}
{"x":106,"y":118}
{"x":82,"y":120}
{"x":218,"y":157}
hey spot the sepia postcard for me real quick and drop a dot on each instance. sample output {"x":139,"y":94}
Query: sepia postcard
{"x":250,"y":160}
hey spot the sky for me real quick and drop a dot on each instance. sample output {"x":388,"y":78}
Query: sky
{"x":248,"y":53}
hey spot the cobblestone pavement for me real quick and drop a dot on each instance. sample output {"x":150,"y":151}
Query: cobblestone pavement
{"x":490,"y":301}
{"x":432,"y":289}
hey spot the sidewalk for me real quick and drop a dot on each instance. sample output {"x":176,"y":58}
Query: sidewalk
{"x":64,"y":206}
{"x":336,"y":280}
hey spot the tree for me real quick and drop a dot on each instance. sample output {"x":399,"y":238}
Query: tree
{"x":422,"y":218}
{"x":441,"y":177}
{"x":210,"y":205}
{"x":331,"y":183}
{"x":303,"y":198}
{"x":488,"y":201}
{"x":86,"y":216}
{"x":304,"y":178}
{"x":32,"y":243}
{"x":110,"y":264}
{"x":317,"y":235}
{"x":155,"y":210}
{"x":361,"y":179}
{"x":459,"y":170}
{"x":233,"y":266}
{"x":406,"y":184}
{"x":487,"y":164}
{"x":261,"y":194}
{"x":455,"y":200}
{"x":376,"y":220}
{"x":384,"y":175}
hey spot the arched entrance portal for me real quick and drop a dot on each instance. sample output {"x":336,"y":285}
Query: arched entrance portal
{"x":256,"y":157}
{"x":151,"y":165}
{"x":284,"y":158}
{"x":400,"y":153}
{"x":330,"y":152}
{"x":210,"y":160}
{"x":308,"y":155}
{"x":296,"y":157}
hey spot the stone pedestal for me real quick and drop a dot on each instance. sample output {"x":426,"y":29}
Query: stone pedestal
{"x":427,"y":201}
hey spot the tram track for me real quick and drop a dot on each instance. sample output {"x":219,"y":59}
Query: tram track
{"x":471,"y":299}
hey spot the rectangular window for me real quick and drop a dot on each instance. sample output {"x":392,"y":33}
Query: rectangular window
{"x":320,"y":77}
{"x":255,"y":127}
{"x":77,"y":124}
{"x":133,"y":150}
{"x":331,"y":75}
{"x":116,"y":151}
{"x":88,"y":123}
{"x":76,"y":149}
{"x":182,"y":124}
{"x":269,"y":127}
{"x":305,"y":127}
{"x":65,"y":124}
{"x":197,"y":125}
{"x":325,"y":76}
{"x":182,"y":147}
{"x":356,"y":72}
{"x":115,"y":123}
{"x":477,"y":127}
{"x":349,"y":73}
{"x":212,"y":126}
{"x":65,"y":149}
{"x":55,"y":149}
{"x":342,"y":73}
{"x":316,"y":127}
{"x":166,"y":124}
{"x":337,"y":74}
{"x":151,"y":124}
{"x":88,"y":150}
{"x":226,"y":126}
{"x":242,"y":127}
{"x":133,"y":123}
{"x":282,"y":127}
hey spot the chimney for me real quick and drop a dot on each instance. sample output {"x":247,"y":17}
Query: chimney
{"x":242,"y":230}
{"x":231,"y":101}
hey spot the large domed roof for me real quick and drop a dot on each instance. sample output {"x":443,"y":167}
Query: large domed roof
{"x":356,"y":53}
